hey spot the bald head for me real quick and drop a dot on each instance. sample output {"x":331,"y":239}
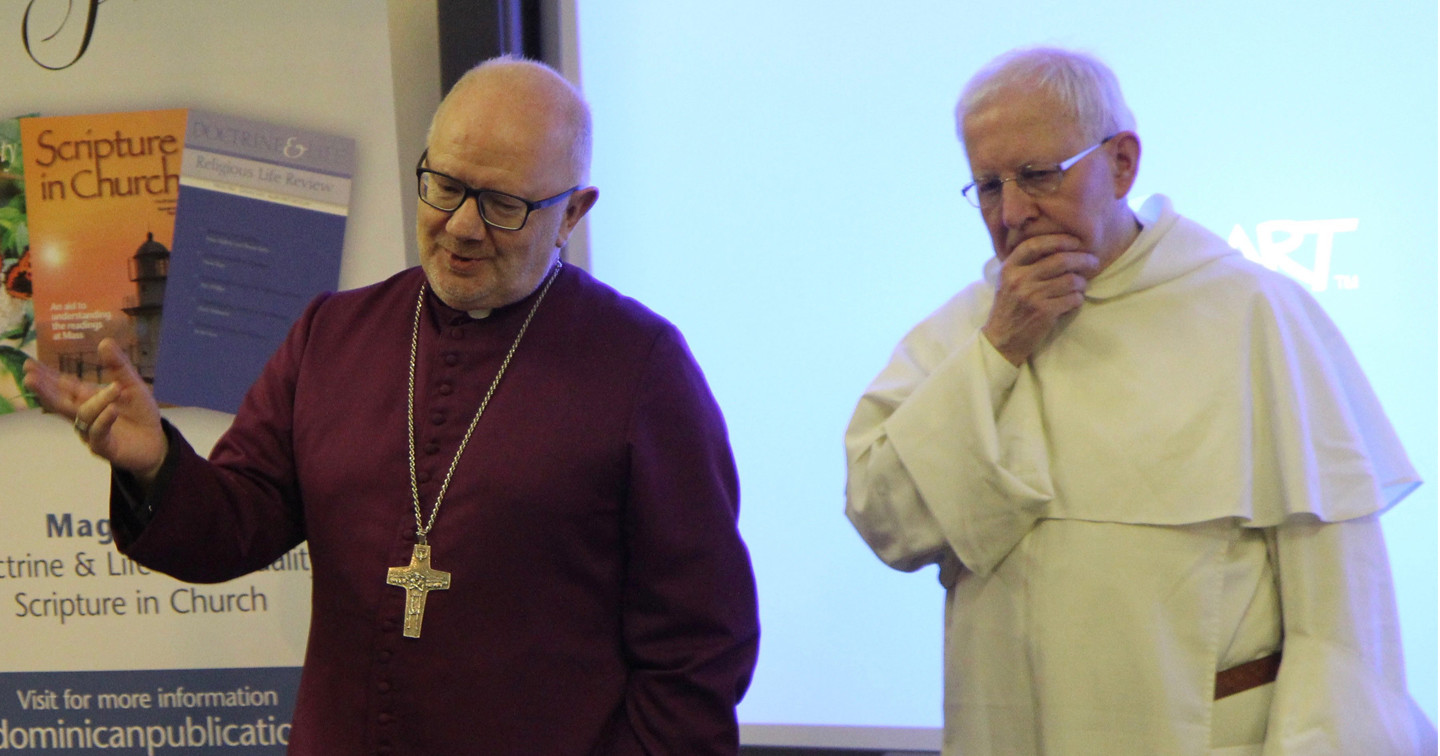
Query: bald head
{"x":516,"y":132}
{"x":530,"y":101}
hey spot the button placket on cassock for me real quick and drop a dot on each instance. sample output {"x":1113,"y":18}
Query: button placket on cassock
{"x":451,"y":352}
{"x":440,"y":425}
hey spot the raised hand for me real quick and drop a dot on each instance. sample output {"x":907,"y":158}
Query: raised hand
{"x":1043,"y":278}
{"x":119,"y":421}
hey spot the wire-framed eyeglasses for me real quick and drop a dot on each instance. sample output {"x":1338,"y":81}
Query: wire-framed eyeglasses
{"x":498,"y":209}
{"x":1035,"y":180}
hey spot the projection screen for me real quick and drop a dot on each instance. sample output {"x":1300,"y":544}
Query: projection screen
{"x":782,"y":181}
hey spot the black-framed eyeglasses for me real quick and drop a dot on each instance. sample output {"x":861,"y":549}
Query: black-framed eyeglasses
{"x":498,"y":209}
{"x":1035,"y":180}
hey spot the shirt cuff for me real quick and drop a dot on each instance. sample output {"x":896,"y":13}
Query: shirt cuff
{"x":131,"y":505}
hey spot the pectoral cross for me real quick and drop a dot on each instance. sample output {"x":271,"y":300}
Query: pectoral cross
{"x":418,"y":580}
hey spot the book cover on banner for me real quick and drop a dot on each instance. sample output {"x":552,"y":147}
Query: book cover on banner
{"x":17,"y":314}
{"x":100,"y":196}
{"x":259,"y":232}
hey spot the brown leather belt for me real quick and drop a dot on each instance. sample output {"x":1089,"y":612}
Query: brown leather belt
{"x":1251,"y":674}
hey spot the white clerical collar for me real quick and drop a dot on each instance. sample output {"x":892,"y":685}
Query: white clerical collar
{"x":480,"y":314}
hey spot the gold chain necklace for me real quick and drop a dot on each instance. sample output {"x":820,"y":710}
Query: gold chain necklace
{"x":418,"y":578}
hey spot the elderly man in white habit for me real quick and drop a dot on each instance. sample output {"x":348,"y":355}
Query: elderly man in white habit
{"x":1149,"y":470}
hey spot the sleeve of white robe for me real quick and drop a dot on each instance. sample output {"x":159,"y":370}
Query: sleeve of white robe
{"x":1341,"y":688}
{"x":941,"y":460}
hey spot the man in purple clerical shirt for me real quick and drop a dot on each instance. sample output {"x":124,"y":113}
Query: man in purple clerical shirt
{"x":516,"y":487}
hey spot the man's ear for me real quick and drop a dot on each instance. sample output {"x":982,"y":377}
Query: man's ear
{"x":576,"y":205}
{"x":1124,"y":161}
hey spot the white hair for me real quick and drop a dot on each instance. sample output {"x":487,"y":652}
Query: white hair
{"x":1082,"y":84}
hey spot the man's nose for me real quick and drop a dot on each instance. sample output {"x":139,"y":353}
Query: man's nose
{"x":465,"y":222}
{"x":1016,"y":205}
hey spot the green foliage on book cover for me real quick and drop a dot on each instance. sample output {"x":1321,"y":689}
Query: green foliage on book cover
{"x":17,"y":313}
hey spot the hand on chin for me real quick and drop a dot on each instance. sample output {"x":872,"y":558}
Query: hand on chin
{"x":1035,"y":245}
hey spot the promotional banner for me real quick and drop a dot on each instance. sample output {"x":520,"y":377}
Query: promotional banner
{"x":102,"y":653}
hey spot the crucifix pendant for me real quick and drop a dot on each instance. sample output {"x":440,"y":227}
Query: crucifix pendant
{"x":418,"y":580}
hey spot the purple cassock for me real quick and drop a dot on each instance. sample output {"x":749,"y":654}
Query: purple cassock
{"x":601,"y":599}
